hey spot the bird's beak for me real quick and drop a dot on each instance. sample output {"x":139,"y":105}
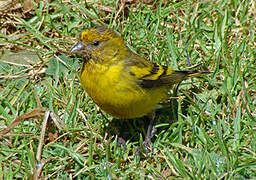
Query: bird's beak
{"x":78,"y":47}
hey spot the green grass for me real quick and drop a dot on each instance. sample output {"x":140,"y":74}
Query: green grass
{"x":207,"y":133}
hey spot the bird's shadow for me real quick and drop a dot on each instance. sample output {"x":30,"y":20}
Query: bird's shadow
{"x":132,"y":129}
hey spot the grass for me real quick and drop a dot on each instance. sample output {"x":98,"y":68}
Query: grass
{"x":207,"y":133}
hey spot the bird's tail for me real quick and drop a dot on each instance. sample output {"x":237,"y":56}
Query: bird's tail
{"x":193,"y":71}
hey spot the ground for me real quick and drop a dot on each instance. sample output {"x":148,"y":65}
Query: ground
{"x":51,"y":129}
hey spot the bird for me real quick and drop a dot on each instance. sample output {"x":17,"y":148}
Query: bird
{"x":122,"y":83}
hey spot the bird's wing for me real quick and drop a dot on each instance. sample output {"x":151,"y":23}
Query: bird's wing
{"x":151,"y":75}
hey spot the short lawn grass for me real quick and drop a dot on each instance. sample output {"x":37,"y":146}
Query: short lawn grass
{"x":51,"y":129}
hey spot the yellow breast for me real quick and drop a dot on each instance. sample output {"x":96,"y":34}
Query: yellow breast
{"x":117,"y":93}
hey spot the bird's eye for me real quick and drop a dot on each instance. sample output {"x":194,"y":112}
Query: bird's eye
{"x":96,"y":43}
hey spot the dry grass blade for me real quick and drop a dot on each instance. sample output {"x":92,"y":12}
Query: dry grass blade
{"x":58,"y":122}
{"x":35,"y":113}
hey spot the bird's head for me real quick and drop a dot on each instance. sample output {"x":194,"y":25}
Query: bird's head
{"x":99,"y":44}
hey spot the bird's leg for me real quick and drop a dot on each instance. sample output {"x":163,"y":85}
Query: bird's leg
{"x":150,"y":133}
{"x":120,"y":140}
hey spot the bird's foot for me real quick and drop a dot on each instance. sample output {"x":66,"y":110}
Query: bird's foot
{"x":121,"y":142}
{"x":146,"y":145}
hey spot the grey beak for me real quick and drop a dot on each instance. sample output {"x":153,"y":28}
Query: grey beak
{"x":78,"y":47}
